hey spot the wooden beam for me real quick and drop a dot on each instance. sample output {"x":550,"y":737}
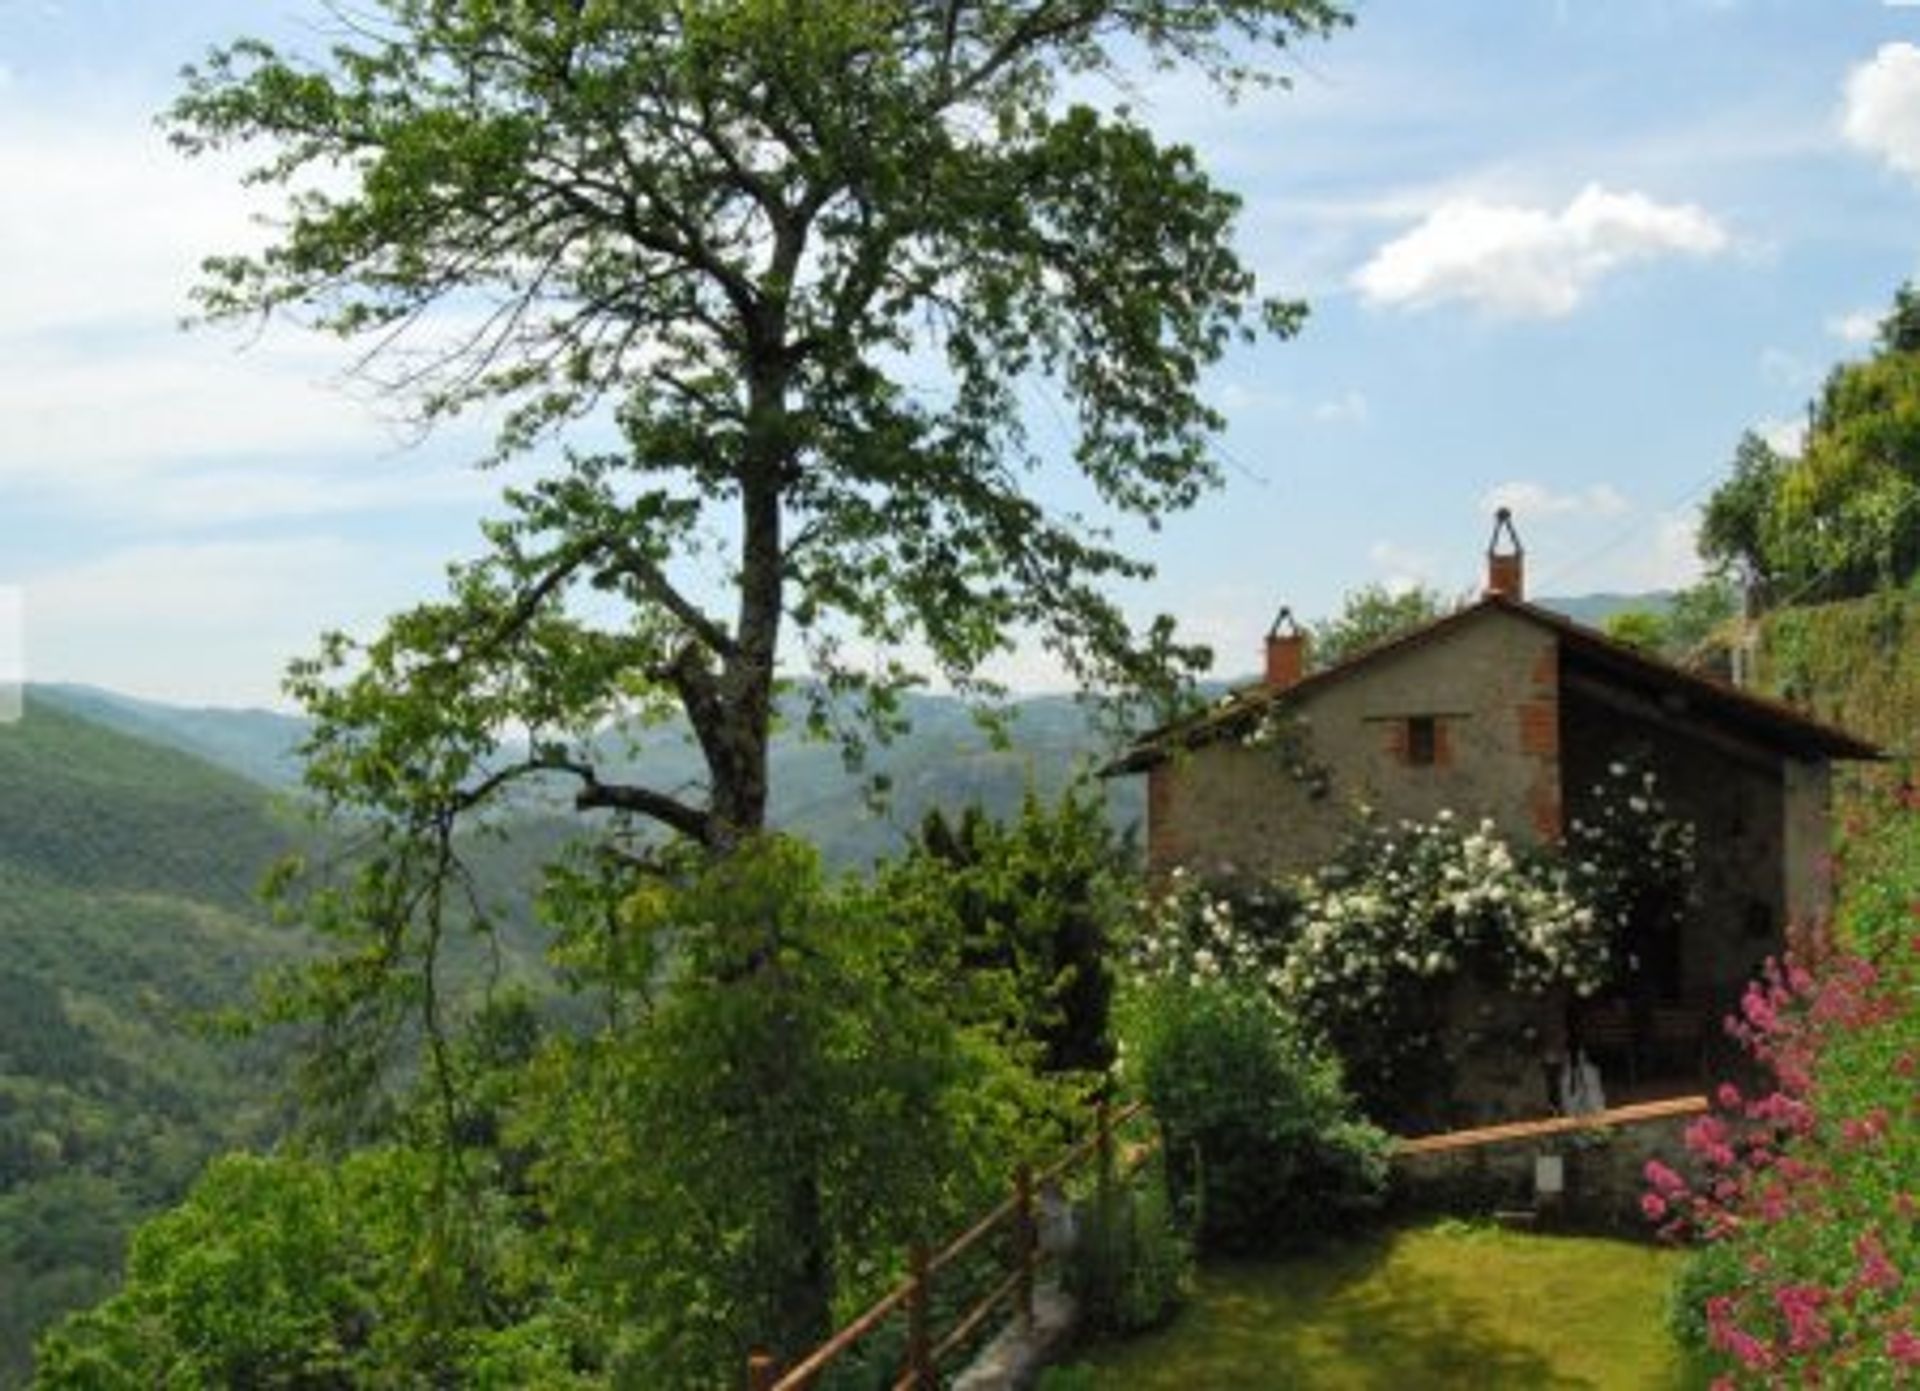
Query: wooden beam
{"x":1553,"y":1125}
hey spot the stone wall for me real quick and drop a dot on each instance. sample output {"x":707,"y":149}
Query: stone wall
{"x":1604,"y":1174}
{"x":1488,"y":684}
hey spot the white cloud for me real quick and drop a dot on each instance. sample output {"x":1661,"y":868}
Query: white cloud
{"x":117,"y":223}
{"x":1528,"y":499}
{"x":1858,"y":327}
{"x":1880,"y":110}
{"x":1527,"y":261}
{"x":1403,"y":569}
{"x":1783,"y":436}
{"x":136,"y":401}
{"x":1348,"y":408}
{"x":1241,"y":397}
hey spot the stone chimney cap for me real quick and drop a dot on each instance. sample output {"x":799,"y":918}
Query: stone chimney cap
{"x":1506,"y":570}
{"x":1503,"y":521}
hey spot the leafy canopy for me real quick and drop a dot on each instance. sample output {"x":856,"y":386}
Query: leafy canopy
{"x":781,"y":276}
{"x":1370,"y":616}
{"x":1841,"y":519}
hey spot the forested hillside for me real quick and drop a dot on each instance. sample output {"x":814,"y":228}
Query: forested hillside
{"x":126,"y":881}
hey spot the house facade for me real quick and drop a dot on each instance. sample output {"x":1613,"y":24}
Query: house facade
{"x":1506,"y":711}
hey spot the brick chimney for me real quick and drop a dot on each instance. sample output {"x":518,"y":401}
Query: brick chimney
{"x":1506,"y":570}
{"x":1286,"y":651}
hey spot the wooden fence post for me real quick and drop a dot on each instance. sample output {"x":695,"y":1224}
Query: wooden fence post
{"x":762,"y":1372}
{"x":920,"y":1322}
{"x":1023,"y":1244}
{"x":1103,"y":1119}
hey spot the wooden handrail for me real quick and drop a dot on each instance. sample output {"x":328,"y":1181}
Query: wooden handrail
{"x":823,"y":1356}
{"x":1088,"y":1145}
{"x":1553,"y":1125}
{"x":801,"y":1375}
{"x":968,"y":1325}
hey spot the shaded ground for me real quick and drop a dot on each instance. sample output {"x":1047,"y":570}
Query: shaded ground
{"x":1441,"y":1306}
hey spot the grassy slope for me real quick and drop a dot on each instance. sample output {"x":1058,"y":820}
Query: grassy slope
{"x":1437,"y":1307}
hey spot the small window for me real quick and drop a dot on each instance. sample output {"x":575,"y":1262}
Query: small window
{"x":1423,"y":741}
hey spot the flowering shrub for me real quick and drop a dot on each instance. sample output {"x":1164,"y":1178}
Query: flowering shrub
{"x":1402,"y":912}
{"x":1198,"y":932}
{"x":1631,"y":859}
{"x":1363,"y":952}
{"x":1807,"y":1199}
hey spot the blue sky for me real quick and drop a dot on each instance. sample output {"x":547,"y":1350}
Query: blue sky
{"x":1560,"y":253}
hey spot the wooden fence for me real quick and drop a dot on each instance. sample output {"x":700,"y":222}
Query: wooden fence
{"x":1638,"y":1114}
{"x":914,"y":1296}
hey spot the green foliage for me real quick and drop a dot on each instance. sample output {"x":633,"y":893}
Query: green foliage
{"x":800,"y":1055}
{"x":293,"y":1272}
{"x":1737,"y":525}
{"x":1682,"y":631}
{"x":1030,"y":904}
{"x":1696,"y":613}
{"x":1368,"y":953}
{"x":124,"y":870}
{"x":1638,"y":628}
{"x":724,"y":227}
{"x":1133,"y":1266}
{"x":1076,"y":1376}
{"x":102,"y":811}
{"x":1370,"y":616}
{"x":1839,"y":520}
{"x":1856,"y":662}
{"x":1263,"y":1149}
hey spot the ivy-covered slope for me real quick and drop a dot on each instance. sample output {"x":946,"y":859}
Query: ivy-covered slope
{"x":1855,"y":663}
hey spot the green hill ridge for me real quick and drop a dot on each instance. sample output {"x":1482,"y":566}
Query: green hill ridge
{"x":126,"y":879}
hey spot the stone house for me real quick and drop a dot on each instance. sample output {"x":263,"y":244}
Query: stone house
{"x":1505,"y":710}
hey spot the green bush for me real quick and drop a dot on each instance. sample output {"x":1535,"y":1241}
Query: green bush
{"x":1132,"y":1267}
{"x":1263,"y":1149}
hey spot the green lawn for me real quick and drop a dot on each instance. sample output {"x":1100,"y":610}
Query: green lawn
{"x":1441,"y":1306}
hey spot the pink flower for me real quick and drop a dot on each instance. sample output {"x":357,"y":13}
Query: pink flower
{"x":1799,"y":1305}
{"x":1876,"y":1270}
{"x":1653,"y":1205}
{"x":1903,"y":1346}
{"x":1759,"y":1010}
{"x":1728,"y":1096}
{"x":1663,"y":1178}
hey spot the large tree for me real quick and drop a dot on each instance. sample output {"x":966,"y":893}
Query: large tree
{"x":769,"y":288}
{"x":773,"y":284}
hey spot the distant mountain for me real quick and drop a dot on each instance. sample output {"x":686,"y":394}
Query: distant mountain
{"x":1595,"y":609}
{"x":257,"y":744}
{"x":129,"y":874}
{"x":946,"y":761}
{"x":133,"y":836}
